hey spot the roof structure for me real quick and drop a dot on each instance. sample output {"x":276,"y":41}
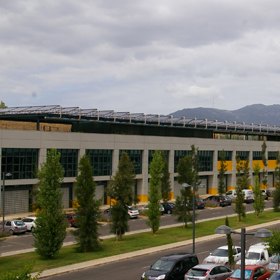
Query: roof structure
{"x":59,"y":114}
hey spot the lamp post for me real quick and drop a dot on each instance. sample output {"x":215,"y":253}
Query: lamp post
{"x":261,"y":233}
{"x":3,"y":204}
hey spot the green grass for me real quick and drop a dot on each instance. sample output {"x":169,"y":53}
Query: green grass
{"x":134,"y":242}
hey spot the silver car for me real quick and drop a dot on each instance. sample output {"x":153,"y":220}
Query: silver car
{"x":208,"y":271}
{"x":15,"y":226}
{"x":274,"y":263}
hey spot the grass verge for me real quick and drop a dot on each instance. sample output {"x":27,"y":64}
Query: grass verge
{"x":68,"y":255}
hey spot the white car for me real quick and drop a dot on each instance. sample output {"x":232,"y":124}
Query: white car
{"x":30,"y":222}
{"x":132,"y":212}
{"x":220,"y":255}
{"x":144,"y":208}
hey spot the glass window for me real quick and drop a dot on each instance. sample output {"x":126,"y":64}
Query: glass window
{"x":205,"y":160}
{"x":257,"y":155}
{"x":101,"y":160}
{"x":135,"y":157}
{"x":271,"y":156}
{"x":244,"y":155}
{"x":228,"y":155}
{"x":178,"y":155}
{"x":69,"y":161}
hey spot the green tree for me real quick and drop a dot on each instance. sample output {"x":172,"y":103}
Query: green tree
{"x":264,"y":161}
{"x":87,"y":208}
{"x":222,"y":171}
{"x":165,"y":180}
{"x":2,"y":105}
{"x":276,"y":193}
{"x":188,"y":168}
{"x":240,"y":209}
{"x":274,"y":242}
{"x":122,"y":191}
{"x":50,"y":223}
{"x":154,"y":195}
{"x":258,"y":204}
{"x":231,"y":263}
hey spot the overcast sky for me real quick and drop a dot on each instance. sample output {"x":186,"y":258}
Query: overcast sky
{"x":148,"y":56}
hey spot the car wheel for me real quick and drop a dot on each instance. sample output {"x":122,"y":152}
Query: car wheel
{"x":168,"y":211}
{"x":11,"y":232}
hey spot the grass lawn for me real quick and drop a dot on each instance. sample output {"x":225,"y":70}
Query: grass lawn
{"x":139,"y":241}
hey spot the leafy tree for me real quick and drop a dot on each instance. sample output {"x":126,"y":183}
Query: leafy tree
{"x":2,"y":105}
{"x":188,"y":168}
{"x":222,"y":171}
{"x":153,"y":213}
{"x":24,"y":274}
{"x":258,"y":204}
{"x":274,"y":242}
{"x":240,"y":209}
{"x":243,"y":169}
{"x":50,"y":223}
{"x":276,"y":193}
{"x":121,"y":190}
{"x":264,"y":160}
{"x":165,"y":180}
{"x":87,"y":208}
{"x":230,"y":248}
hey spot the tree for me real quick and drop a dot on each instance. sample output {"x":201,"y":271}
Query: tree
{"x":154,"y":194}
{"x":264,"y":161}
{"x":240,"y":209}
{"x":222,"y":171}
{"x":276,"y":193}
{"x":187,"y":169}
{"x":50,"y":223}
{"x":230,"y":248}
{"x":274,"y":242}
{"x":121,"y":190}
{"x":2,"y":105}
{"x":165,"y":180}
{"x":258,"y":204}
{"x":87,"y":208}
{"x":243,"y":169}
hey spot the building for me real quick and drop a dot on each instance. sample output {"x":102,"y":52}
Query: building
{"x":105,"y":134}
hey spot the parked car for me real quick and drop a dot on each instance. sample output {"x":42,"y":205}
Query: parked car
{"x":220,"y":255}
{"x":132,"y":212}
{"x":228,"y":199}
{"x":15,"y":226}
{"x":275,"y":276}
{"x":248,"y":195}
{"x":30,"y":223}
{"x":258,"y":254}
{"x":171,"y":267}
{"x":252,"y":272}
{"x":265,"y":193}
{"x":208,"y":272}
{"x":168,"y":207}
{"x":221,"y":200}
{"x":274,"y":264}
{"x":71,"y":217}
{"x":145,"y":207}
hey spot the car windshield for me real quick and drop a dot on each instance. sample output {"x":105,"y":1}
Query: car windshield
{"x":275,"y":276}
{"x":19,"y":223}
{"x":164,"y":265}
{"x":252,"y":256}
{"x":237,"y":273}
{"x":197,"y":272}
{"x":131,"y":208}
{"x":220,"y":253}
{"x":276,"y":259}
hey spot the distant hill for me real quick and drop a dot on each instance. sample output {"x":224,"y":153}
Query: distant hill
{"x":257,"y":114}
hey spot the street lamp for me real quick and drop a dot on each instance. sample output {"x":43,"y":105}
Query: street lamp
{"x":261,"y":233}
{"x":186,"y":185}
{"x":3,"y":204}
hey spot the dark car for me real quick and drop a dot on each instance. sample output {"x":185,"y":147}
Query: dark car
{"x":71,"y":217}
{"x":199,"y":203}
{"x":275,"y":276}
{"x":168,"y":207}
{"x":171,"y":267}
{"x":221,"y":200}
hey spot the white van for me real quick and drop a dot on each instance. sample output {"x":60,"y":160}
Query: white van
{"x":258,"y":254}
{"x":248,"y":195}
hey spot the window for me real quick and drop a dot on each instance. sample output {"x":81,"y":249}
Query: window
{"x":101,"y":161}
{"x":228,"y":155}
{"x":69,"y":161}
{"x":257,"y":155}
{"x":21,"y":163}
{"x":178,"y":155}
{"x":205,"y":160}
{"x":243,"y":155}
{"x":271,"y":156}
{"x":135,"y":157}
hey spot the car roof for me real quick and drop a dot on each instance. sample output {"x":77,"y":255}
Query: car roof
{"x":206,"y":265}
{"x":177,"y":256}
{"x":226,"y":247}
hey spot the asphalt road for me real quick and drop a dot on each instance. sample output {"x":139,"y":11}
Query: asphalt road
{"x":21,"y":242}
{"x":134,"y":267}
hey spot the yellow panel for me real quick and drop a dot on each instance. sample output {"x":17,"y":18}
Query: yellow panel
{"x":142,"y":198}
{"x":259,"y":162}
{"x":228,"y":163}
{"x":230,"y":188}
{"x":271,"y":164}
{"x":212,"y":191}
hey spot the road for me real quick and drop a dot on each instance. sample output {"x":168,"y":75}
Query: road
{"x":22,"y":242}
{"x":134,"y":267}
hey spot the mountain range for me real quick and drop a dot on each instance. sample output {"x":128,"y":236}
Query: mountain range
{"x":257,"y":114}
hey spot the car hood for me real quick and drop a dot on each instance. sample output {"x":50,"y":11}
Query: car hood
{"x":155,"y":273}
{"x":250,"y":261}
{"x":215,"y":259}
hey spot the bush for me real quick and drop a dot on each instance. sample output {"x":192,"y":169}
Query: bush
{"x":23,"y":275}
{"x":211,"y":203}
